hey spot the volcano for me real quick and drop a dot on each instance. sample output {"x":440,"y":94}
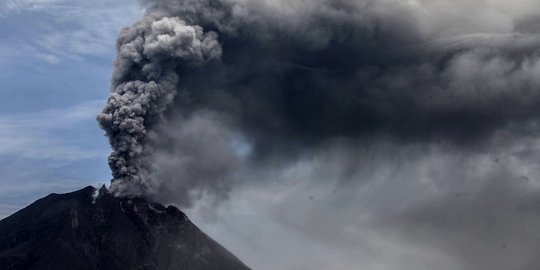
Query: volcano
{"x":91,"y":229}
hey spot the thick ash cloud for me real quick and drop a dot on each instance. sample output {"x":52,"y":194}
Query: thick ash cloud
{"x":144,"y":84}
{"x":300,"y":73}
{"x":294,"y":75}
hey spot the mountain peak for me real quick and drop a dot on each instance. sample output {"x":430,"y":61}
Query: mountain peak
{"x":93,"y":229}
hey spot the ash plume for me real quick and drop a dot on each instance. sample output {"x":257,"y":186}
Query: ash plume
{"x":143,"y":85}
{"x":208,"y":93}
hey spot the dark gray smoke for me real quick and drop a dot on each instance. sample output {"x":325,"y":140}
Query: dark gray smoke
{"x":144,"y":83}
{"x":290,"y":77}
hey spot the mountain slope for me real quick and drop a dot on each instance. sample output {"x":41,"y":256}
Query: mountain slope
{"x":90,"y":230}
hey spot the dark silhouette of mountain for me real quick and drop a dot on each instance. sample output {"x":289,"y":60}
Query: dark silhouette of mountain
{"x":91,"y":229}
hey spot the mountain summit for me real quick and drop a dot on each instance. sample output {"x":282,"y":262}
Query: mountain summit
{"x":91,"y":229}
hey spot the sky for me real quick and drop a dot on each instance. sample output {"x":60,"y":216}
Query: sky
{"x":55,"y":61}
{"x":323,"y":134}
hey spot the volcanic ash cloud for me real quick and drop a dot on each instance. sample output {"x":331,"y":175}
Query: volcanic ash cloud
{"x":144,"y":84}
{"x":206,"y":93}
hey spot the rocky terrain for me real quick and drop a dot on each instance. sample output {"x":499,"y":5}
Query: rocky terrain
{"x":91,"y":229}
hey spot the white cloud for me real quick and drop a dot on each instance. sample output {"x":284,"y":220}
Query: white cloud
{"x":64,"y":29}
{"x":11,"y":6}
{"x":39,"y":135}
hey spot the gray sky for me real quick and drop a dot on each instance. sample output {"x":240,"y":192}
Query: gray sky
{"x":424,"y":154}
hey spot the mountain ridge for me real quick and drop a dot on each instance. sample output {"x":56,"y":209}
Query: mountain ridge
{"x":91,"y":229}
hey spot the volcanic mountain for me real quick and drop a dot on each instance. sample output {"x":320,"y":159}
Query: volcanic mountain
{"x":92,"y":229}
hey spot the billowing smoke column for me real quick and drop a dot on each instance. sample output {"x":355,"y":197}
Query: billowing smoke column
{"x":204,"y":89}
{"x":144,"y":84}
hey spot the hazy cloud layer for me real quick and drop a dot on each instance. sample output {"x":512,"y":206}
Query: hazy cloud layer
{"x":388,"y":134}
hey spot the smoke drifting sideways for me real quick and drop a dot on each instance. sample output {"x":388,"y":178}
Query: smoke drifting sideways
{"x":210,"y":94}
